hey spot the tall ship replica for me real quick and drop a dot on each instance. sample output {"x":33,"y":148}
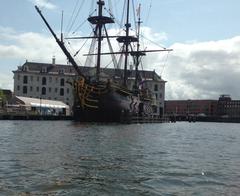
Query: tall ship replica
{"x":109,"y":99}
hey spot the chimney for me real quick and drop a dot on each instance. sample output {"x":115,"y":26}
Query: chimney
{"x":54,"y":60}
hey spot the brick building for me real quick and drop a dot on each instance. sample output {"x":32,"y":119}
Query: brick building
{"x":223,"y":107}
{"x":228,"y":107}
{"x":191,"y":107}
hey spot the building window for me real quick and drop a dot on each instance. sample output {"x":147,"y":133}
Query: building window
{"x":37,"y":89}
{"x":61,"y":71}
{"x":155,"y":87}
{"x":44,"y":70}
{"x":24,"y":89}
{"x":160,"y":95}
{"x":38,"y":78}
{"x":25,"y":79}
{"x":156,"y":96}
{"x":25,"y":68}
{"x":43,"y":91}
{"x":50,"y":79}
{"x":18,"y":77}
{"x":62,"y":92}
{"x":44,"y":81}
{"x":31,"y":88}
{"x":18,"y":88}
{"x":56,"y":79}
{"x":49,"y":89}
{"x":67,"y":90}
{"x":62,"y":82}
{"x":154,"y":108}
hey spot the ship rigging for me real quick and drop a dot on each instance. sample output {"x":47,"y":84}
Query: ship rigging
{"x":108,"y":100}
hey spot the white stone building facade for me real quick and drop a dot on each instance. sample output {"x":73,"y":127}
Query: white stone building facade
{"x":44,"y":81}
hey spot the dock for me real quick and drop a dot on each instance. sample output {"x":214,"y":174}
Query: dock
{"x":148,"y":119}
{"x":33,"y":117}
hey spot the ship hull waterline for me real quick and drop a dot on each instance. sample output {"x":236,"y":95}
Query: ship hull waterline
{"x":111,"y":107}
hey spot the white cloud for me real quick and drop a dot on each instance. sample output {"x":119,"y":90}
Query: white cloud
{"x":204,"y":70}
{"x":32,"y":46}
{"x":148,"y":33}
{"x":16,"y":47}
{"x":44,"y":4}
{"x":6,"y":81}
{"x":196,"y":70}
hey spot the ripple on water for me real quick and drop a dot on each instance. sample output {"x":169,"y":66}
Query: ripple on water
{"x":64,"y":158}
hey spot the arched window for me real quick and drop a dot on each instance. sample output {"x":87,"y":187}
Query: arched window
{"x":44,"y":81}
{"x":62,"y":82}
{"x":43,"y":91}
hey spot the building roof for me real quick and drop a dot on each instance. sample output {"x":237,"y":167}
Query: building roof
{"x":33,"y":102}
{"x":35,"y":67}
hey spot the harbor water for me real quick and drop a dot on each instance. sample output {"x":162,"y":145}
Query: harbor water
{"x":67,"y":158}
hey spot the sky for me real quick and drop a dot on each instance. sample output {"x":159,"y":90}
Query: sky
{"x":204,"y":36}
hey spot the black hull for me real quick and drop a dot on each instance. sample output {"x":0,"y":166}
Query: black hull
{"x":114,"y":116}
{"x":112,"y":107}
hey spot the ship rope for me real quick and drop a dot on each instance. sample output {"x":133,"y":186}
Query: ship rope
{"x":118,"y":67}
{"x":143,"y":75}
{"x":114,"y":11}
{"x":71,"y":18}
{"x":120,"y":61}
{"x":134,"y":15}
{"x":119,"y":25}
{"x":79,"y":26}
{"x":109,"y":63}
{"x":110,"y":48}
{"x":153,"y":42}
{"x":76,"y":15}
{"x":110,"y":7}
{"x":92,"y":6}
{"x":123,"y":13}
{"x":89,"y":59}
{"x":71,"y":48}
{"x":81,"y":46}
{"x":164,"y":63}
{"x":148,"y":12}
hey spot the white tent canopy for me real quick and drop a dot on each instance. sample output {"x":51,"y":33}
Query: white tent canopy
{"x":44,"y":103}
